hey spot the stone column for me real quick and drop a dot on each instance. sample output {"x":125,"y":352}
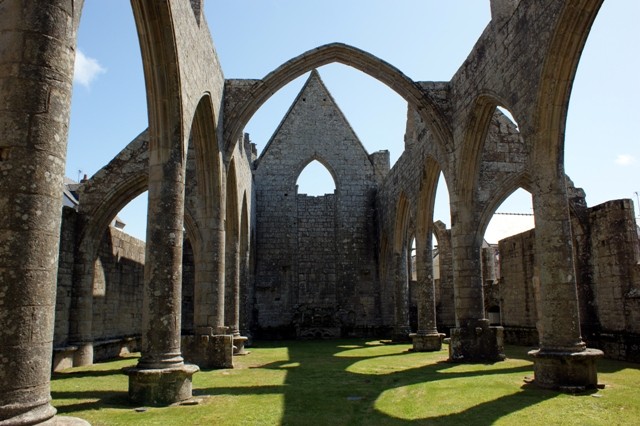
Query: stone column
{"x":473,"y":339}
{"x":161,"y":377}
{"x":37,"y":54}
{"x":81,"y":318}
{"x":234,"y":321}
{"x":427,"y":337}
{"x":563,"y":360}
{"x":209,"y":347}
{"x":402,"y":327}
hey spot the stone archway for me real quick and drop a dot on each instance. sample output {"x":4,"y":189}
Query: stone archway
{"x":260,"y":91}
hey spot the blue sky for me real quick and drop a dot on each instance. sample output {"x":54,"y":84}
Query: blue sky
{"x":426,"y":39}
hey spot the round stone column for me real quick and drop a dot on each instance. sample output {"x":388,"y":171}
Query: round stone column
{"x":427,"y":337}
{"x":161,"y":377}
{"x":402,"y":328}
{"x":37,"y":54}
{"x":473,"y":339}
{"x":563,"y":360}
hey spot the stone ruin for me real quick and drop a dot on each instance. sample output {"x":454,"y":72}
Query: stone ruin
{"x":234,"y":252}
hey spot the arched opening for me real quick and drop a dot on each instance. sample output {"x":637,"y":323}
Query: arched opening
{"x":118,"y":277}
{"x":315,"y":180}
{"x":133,"y":216}
{"x":513,"y":216}
{"x":508,"y":267}
{"x":353,"y":91}
{"x":441,"y":207}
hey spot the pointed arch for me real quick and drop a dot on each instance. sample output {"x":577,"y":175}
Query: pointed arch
{"x":475,"y":136}
{"x":303,"y":166}
{"x":559,"y":69}
{"x":403,"y":214}
{"x":158,"y":46}
{"x":369,"y":64}
{"x":522,"y":180}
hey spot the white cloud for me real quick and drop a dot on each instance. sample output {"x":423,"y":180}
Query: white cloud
{"x":86,"y":69}
{"x":625,"y":159}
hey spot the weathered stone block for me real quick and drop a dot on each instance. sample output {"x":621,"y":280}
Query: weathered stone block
{"x":477,"y":342}
{"x":159,"y":387}
{"x":570,"y":371}
{"x":209,"y":351}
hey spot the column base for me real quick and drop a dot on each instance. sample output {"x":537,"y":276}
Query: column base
{"x":477,"y":342}
{"x":426,"y":342}
{"x":238,"y":345}
{"x":565,"y":371}
{"x":207,"y":351}
{"x":26,"y":412}
{"x":162,"y":386}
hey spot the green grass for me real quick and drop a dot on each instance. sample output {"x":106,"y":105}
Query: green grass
{"x":356,"y":382}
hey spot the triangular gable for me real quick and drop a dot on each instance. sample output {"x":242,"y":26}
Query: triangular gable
{"x":314,"y":86}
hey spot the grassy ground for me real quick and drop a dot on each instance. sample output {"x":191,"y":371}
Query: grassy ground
{"x":355,"y":382}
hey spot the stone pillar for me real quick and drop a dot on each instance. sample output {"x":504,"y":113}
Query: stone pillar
{"x":401,"y":328}
{"x":563,"y":360}
{"x":208,"y":348}
{"x":473,"y":339}
{"x":37,"y":54}
{"x":427,"y":337}
{"x":234,"y":321}
{"x":246,"y":290}
{"x":161,"y":377}
{"x":81,"y":318}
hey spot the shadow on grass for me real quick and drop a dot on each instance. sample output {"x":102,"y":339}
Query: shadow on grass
{"x":98,"y":400}
{"x":321,"y":389}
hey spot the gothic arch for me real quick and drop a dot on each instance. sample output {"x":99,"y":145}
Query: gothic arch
{"x":316,"y":157}
{"x":427,"y":196}
{"x":521,"y":180}
{"x":475,"y":136}
{"x":561,"y":62}
{"x":160,"y":63}
{"x":403,"y":216}
{"x":363,"y":61}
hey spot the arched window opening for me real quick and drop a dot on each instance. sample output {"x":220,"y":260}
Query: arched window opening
{"x":413,"y":275}
{"x":315,"y":180}
{"x":132,"y":219}
{"x":515,"y":215}
{"x":508,"y":114}
{"x":441,"y":208}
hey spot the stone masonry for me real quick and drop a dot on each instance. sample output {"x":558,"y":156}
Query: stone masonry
{"x":264,"y":259}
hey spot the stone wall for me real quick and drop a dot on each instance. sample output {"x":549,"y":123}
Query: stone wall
{"x":117,"y":286}
{"x":65,"y":276}
{"x":606,"y":236}
{"x":516,"y":288}
{"x":342,"y":294}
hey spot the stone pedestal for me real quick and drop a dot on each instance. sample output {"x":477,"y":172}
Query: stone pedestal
{"x":572,"y":371}
{"x":477,"y":343}
{"x":239,"y":343}
{"x":162,"y":386}
{"x":426,"y":342}
{"x":209,"y":351}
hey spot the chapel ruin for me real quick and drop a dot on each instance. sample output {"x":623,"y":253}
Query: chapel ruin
{"x":234,"y":252}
